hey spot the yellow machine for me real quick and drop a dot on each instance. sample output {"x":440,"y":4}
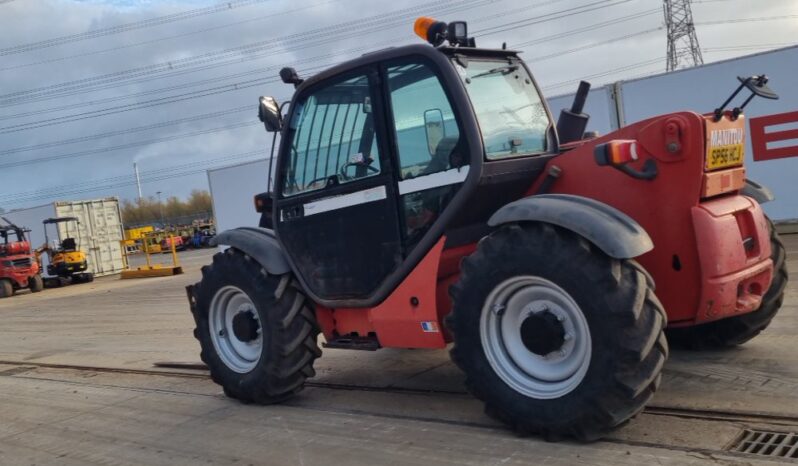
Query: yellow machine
{"x":151,"y":245}
{"x":67,"y":261}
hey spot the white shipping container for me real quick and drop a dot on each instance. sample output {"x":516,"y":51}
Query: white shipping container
{"x":98,"y":234}
{"x":233,"y":189}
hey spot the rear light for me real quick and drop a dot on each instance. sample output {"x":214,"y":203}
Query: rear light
{"x":263,"y":202}
{"x":620,"y":152}
{"x":617,"y":152}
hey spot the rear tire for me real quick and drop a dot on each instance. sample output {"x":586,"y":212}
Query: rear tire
{"x":6,"y":288}
{"x":533,"y":269}
{"x":256,"y":331}
{"x":36,"y":283}
{"x":733,"y":331}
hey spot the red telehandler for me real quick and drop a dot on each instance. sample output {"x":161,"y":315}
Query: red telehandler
{"x":424,"y":196}
{"x":18,"y":265}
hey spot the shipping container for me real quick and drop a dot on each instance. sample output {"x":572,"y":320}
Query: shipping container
{"x":232,"y":191}
{"x":98,"y":234}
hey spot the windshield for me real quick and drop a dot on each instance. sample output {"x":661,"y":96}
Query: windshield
{"x":509,"y":110}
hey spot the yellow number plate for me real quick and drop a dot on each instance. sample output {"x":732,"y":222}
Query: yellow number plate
{"x":725,"y":156}
{"x":725,"y":142}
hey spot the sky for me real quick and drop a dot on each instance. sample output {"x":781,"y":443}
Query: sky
{"x":89,"y":87}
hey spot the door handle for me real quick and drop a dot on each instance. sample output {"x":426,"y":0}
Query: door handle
{"x":292,"y":213}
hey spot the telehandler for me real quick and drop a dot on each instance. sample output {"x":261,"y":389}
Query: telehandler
{"x":423,"y":195}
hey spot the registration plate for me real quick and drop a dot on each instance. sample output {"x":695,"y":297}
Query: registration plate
{"x":726,"y":156}
{"x":725,"y":143}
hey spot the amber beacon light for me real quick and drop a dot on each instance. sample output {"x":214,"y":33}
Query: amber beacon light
{"x":435,"y":32}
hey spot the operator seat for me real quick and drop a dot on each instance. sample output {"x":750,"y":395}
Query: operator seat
{"x":449,"y":149}
{"x":68,"y":244}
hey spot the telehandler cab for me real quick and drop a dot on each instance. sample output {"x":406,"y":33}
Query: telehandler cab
{"x":423,"y":195}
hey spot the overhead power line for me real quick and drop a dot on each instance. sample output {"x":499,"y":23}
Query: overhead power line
{"x":300,"y":41}
{"x":165,"y":38}
{"x":130,"y":145}
{"x":733,"y":48}
{"x":602,"y":74}
{"x":549,"y":16}
{"x":157,"y":21}
{"x":590,"y":28}
{"x":593,"y":45}
{"x":352,"y":28}
{"x":177,"y":171}
{"x":745,"y":20}
{"x":166,"y":100}
{"x":91,"y":137}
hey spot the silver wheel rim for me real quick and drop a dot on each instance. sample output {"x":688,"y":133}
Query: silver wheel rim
{"x":543,"y":377}
{"x":239,"y":356}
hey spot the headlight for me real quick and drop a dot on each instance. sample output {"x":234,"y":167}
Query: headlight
{"x":8,"y":263}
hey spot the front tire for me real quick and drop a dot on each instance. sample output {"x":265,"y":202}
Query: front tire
{"x":734,"y":331}
{"x":554,"y":336}
{"x":256,"y":332}
{"x":6,"y":288}
{"x":36,"y":283}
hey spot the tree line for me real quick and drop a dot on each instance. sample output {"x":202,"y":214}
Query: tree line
{"x":150,"y":211}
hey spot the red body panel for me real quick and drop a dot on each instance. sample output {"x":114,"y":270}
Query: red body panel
{"x":17,"y":251}
{"x":686,"y":263}
{"x":734,"y":277}
{"x":711,"y":256}
{"x":408,"y":318}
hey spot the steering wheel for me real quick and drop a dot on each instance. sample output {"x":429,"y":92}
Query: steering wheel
{"x":346,"y":177}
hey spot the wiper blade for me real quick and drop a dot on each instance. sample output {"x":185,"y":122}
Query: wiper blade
{"x":502,"y":69}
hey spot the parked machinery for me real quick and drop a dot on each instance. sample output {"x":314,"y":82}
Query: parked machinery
{"x":67,"y":262}
{"x":18,"y":266}
{"x":424,"y":195}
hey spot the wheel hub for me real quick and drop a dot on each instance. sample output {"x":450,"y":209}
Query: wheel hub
{"x":542,"y":333}
{"x":235,"y":329}
{"x":535,"y":337}
{"x":245,"y":327}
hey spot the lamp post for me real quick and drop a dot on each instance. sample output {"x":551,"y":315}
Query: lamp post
{"x":160,"y":209}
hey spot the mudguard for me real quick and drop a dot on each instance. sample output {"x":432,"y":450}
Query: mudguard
{"x":611,"y":230}
{"x":259,"y":243}
{"x":757,"y":192}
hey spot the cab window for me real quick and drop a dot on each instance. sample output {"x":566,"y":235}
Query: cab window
{"x":425,"y":127}
{"x":432,"y":152}
{"x":332,"y":138}
{"x":509,"y":109}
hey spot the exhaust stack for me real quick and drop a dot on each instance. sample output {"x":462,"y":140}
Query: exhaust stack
{"x":572,"y":123}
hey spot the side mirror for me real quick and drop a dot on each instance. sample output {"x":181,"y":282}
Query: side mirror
{"x":269,"y":114}
{"x":434,"y":128}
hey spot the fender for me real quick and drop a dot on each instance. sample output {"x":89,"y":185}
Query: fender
{"x":259,"y":243}
{"x":611,"y":230}
{"x":759,"y":193}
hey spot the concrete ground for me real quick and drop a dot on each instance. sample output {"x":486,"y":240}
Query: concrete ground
{"x":385,"y":407}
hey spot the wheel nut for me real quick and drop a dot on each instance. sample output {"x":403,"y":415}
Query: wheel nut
{"x":567,"y":337}
{"x":498,"y":309}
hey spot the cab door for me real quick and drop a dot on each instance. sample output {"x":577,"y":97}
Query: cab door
{"x":336,"y":211}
